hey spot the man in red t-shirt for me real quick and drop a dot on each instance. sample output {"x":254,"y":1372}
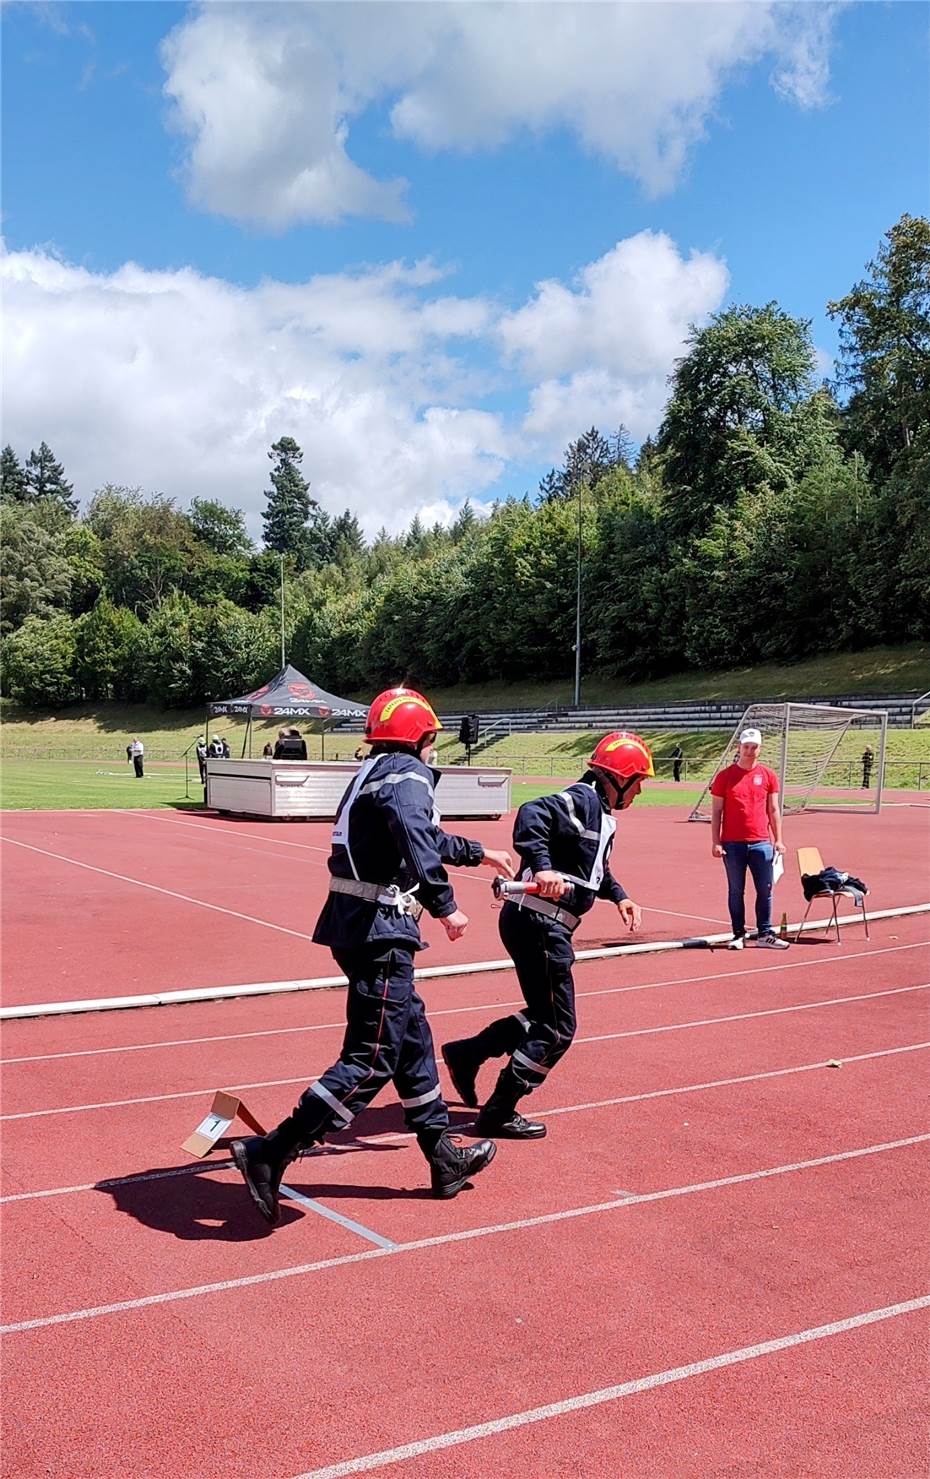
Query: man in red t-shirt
{"x":746,"y":833}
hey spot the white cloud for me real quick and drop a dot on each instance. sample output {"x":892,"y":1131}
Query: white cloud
{"x":603,"y":346}
{"x":181,"y":382}
{"x":261,"y":98}
{"x":266,"y":94}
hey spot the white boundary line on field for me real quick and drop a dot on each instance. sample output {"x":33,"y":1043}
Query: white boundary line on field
{"x":155,"y":888}
{"x":777,"y":966}
{"x":465,"y":1235}
{"x":674,"y":1091}
{"x":467,"y":968}
{"x":471,"y":875}
{"x":441,"y":1441}
{"x":806,"y":1006}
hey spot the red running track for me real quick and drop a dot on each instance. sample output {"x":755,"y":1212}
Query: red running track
{"x":709,"y":1267}
{"x":99,"y":904}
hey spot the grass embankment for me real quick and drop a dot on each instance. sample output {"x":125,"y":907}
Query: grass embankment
{"x":877,"y":670}
{"x":560,"y":753}
{"x":92,"y":732}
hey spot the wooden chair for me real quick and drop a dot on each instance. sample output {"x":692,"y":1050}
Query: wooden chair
{"x":810,"y":862}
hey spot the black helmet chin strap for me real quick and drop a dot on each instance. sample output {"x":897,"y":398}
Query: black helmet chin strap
{"x":619,"y":786}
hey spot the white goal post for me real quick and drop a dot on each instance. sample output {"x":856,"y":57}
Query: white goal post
{"x":817,"y":753}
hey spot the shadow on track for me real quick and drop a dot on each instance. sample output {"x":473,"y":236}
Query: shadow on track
{"x":198,"y":1206}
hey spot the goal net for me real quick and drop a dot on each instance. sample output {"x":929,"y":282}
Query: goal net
{"x":819,"y":753}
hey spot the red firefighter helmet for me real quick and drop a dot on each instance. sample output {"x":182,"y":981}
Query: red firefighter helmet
{"x":402,"y":715}
{"x":623,"y":755}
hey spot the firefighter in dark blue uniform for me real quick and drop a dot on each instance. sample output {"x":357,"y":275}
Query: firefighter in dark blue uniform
{"x":386,"y":867}
{"x":564,"y":843}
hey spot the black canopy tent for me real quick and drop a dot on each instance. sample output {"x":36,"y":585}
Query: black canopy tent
{"x":289,"y":695}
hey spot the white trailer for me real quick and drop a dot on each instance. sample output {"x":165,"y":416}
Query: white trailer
{"x":313,"y":789}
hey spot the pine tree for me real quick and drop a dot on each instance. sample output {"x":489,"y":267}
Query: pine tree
{"x":348,"y":540}
{"x":289,"y":502}
{"x":13,"y":487}
{"x":464,"y":521}
{"x":45,"y":480}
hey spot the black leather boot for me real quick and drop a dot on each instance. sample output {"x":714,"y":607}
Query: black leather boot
{"x":450,"y":1166}
{"x":499,"y":1116}
{"x":463,"y":1070}
{"x":263,"y":1159}
{"x":507,"y":1125}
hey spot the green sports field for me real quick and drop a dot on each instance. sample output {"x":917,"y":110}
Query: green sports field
{"x":73,"y":785}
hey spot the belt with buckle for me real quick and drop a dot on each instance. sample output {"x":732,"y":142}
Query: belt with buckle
{"x":390,"y":895}
{"x":547,"y":907}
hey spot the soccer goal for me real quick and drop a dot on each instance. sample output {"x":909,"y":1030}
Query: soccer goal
{"x":819,"y":754}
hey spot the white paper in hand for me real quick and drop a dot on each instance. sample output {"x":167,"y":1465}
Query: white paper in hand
{"x":778,"y":867}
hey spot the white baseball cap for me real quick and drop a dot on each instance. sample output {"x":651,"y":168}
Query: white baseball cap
{"x":750,"y":737}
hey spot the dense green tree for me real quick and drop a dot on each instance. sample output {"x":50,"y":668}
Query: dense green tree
{"x":13,"y":485}
{"x":84,"y":553}
{"x":289,"y":503}
{"x":45,"y":480}
{"x":149,"y":551}
{"x":633,"y":603}
{"x":110,"y":507}
{"x":885,"y":346}
{"x":587,"y":460}
{"x":166,"y":653}
{"x":348,"y":542}
{"x":39,"y":661}
{"x":735,"y":419}
{"x":36,"y":573}
{"x":107,"y":643}
{"x":465,"y":520}
{"x":226,"y":651}
{"x":221,"y":529}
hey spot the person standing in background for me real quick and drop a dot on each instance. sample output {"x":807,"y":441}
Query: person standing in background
{"x":136,"y":752}
{"x":746,"y":834}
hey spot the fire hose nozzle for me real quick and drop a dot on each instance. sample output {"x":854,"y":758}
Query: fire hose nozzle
{"x":503,"y":888}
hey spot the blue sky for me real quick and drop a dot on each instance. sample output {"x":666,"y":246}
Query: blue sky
{"x":593,"y":148}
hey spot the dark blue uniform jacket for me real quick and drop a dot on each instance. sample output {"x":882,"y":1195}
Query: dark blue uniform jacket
{"x":386,"y":833}
{"x":571,"y":832}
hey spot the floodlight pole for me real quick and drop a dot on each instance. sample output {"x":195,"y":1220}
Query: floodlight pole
{"x":578,"y":610}
{"x":282,"y":613}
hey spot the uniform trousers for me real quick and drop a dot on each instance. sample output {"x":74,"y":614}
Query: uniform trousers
{"x":541,"y":950}
{"x":387,"y":1037}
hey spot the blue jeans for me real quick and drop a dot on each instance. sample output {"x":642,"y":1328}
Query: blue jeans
{"x":758,"y":857}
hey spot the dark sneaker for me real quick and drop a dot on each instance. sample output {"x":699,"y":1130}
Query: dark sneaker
{"x":451,"y":1167}
{"x":771,"y":942}
{"x":508,"y":1126}
{"x":463,"y":1071}
{"x":736,"y":943}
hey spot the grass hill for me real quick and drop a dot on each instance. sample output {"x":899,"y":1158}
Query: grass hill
{"x":101,"y":732}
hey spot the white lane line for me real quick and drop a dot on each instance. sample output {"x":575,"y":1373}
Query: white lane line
{"x":494,"y":1006}
{"x":806,"y":1006}
{"x":584,"y":1400}
{"x":469,"y":874}
{"x":169,"y":892}
{"x":718,"y":1083}
{"x":472,"y":875}
{"x":427,"y":973}
{"x":465,"y":1235}
{"x":328,"y":1212}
